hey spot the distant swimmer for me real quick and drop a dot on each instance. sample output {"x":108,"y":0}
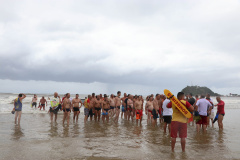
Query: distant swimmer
{"x":220,"y":112}
{"x":76,"y":107}
{"x":105,"y":109}
{"x":55,"y":106}
{"x":124,"y":106}
{"x":130,"y":107}
{"x":117,"y":105}
{"x":179,"y":122}
{"x":98,"y":106}
{"x":148,"y":109}
{"x":18,"y":107}
{"x":34,"y":101}
{"x":202,"y":106}
{"x":42,"y":103}
{"x":86,"y":104}
{"x":167,"y":115}
{"x":155,"y":111}
{"x":67,"y":105}
{"x":139,"y":110}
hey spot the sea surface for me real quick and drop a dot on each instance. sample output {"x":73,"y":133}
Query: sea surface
{"x":37,"y":138}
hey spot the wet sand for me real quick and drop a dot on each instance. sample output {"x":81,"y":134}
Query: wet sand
{"x":37,"y":138}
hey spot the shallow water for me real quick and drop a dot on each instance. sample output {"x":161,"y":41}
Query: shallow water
{"x":37,"y":138}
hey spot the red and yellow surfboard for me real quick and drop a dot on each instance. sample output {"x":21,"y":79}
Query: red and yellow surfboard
{"x":177,"y":103}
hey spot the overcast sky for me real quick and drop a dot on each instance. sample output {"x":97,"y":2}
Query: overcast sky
{"x":137,"y":46}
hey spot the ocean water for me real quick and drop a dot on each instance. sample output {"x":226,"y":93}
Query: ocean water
{"x":37,"y":138}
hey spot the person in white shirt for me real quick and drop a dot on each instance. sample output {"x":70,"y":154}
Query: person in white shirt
{"x":202,"y":107}
{"x":167,"y":115}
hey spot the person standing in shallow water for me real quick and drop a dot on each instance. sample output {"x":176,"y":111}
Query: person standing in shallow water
{"x":220,"y":112}
{"x":179,"y":122}
{"x":18,"y":107}
{"x":55,"y":106}
{"x":34,"y":101}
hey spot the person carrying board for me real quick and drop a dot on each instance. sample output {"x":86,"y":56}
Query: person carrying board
{"x":179,"y":119}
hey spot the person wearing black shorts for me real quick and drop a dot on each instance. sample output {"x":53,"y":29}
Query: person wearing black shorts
{"x":76,"y":107}
{"x":167,"y":115}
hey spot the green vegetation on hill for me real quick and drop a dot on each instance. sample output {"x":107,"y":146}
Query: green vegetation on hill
{"x":197,"y":90}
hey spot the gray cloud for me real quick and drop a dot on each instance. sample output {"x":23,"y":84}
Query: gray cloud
{"x":157,"y":44}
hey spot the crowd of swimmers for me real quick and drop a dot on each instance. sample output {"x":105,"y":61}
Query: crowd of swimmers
{"x":103,"y":107}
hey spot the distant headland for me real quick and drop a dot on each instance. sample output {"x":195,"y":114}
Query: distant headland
{"x":197,"y":90}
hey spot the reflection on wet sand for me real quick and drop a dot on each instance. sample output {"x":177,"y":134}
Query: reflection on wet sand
{"x":124,"y":140}
{"x":17,"y":132}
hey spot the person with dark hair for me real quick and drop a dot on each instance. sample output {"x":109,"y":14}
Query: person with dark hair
{"x":124,"y":105}
{"x":42,"y":103}
{"x":155,"y":110}
{"x":191,"y":100}
{"x":105,"y":109}
{"x":92,"y":106}
{"x":98,"y":106}
{"x":86,"y":104}
{"x":202,"y":106}
{"x":130,"y":107}
{"x":18,"y":108}
{"x":148,"y":109}
{"x":117,"y":106}
{"x":76,"y":107}
{"x":112,"y":105}
{"x":179,"y":122}
{"x":34,"y":101}
{"x":67,"y":107}
{"x":167,"y":115}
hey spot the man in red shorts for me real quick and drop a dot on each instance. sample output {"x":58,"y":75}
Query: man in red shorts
{"x":179,"y":122}
{"x":203,"y":106}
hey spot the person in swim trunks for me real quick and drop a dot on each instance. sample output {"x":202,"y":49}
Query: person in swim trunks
{"x":124,"y":106}
{"x":112,"y":105}
{"x":148,"y":109}
{"x":155,"y":110}
{"x":55,"y":106}
{"x":42,"y":103}
{"x":179,"y":122}
{"x":67,"y":105}
{"x":139,"y":109}
{"x":220,"y":112}
{"x":105,"y":109}
{"x":92,"y":106}
{"x":34,"y":101}
{"x":130,"y":107}
{"x":76,"y":107}
{"x":98,"y":106}
{"x":117,"y":106}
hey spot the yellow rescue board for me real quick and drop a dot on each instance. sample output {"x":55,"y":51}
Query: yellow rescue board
{"x":177,"y":103}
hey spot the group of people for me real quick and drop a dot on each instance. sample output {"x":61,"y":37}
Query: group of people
{"x":102,"y":107}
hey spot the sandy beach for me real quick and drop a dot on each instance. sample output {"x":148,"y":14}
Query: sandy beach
{"x":37,"y":138}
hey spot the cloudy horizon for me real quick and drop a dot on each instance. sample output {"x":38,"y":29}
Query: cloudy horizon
{"x":138,"y":47}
